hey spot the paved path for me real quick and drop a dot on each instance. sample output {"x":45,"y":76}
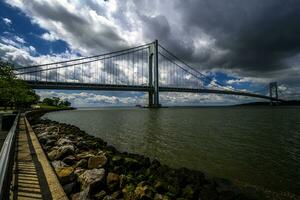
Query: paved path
{"x":33,"y":178}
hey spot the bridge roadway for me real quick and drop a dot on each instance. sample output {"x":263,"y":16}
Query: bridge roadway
{"x":142,"y":88}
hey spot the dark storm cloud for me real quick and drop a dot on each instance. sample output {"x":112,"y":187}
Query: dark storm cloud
{"x":158,"y":27}
{"x":258,"y":34}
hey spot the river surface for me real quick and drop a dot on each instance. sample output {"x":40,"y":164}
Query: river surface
{"x":257,"y":147}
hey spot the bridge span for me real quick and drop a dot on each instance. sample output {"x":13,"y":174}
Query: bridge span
{"x":147,"y":68}
{"x":137,"y":88}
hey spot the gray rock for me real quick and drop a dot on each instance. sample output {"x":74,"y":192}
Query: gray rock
{"x":78,"y":171}
{"x":84,"y":155}
{"x":112,"y":181}
{"x":63,"y":141}
{"x":107,"y":197}
{"x":92,"y":179}
{"x":100,"y":195}
{"x":43,"y":134}
{"x":64,"y":151}
{"x":97,"y":161}
{"x":117,"y":194}
{"x":70,"y":187}
{"x":52,"y":155}
{"x":58,"y":163}
{"x":83,"y":195}
{"x":122,"y":180}
{"x":82,"y":163}
{"x":69,"y":160}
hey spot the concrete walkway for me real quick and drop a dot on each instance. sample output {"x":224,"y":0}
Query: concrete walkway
{"x":33,"y":176}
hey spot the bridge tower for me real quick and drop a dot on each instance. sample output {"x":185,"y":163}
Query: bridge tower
{"x":273,"y":91}
{"x":153,"y":75}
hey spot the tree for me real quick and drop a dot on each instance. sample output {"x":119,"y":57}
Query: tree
{"x":67,"y":103}
{"x":13,"y":91}
{"x":48,"y":101}
{"x":56,"y":100}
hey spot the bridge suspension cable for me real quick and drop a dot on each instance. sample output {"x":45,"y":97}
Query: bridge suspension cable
{"x":149,"y":67}
{"x":88,"y":57}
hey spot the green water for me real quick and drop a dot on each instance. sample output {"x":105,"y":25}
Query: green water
{"x":253,"y":146}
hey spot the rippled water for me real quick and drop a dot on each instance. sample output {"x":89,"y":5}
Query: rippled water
{"x":255,"y":146}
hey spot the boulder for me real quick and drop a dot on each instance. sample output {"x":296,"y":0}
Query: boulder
{"x":128,"y":192}
{"x":50,"y":142}
{"x":97,"y":161}
{"x":108,"y":197}
{"x":43,"y":139}
{"x":64,"y":151}
{"x":100,"y":195}
{"x":132,"y":164}
{"x":65,"y":174}
{"x":112,"y":181}
{"x":69,"y":160}
{"x":117,"y":160}
{"x":161,"y":187}
{"x":63,"y":141}
{"x":122,"y":181}
{"x":188,"y":192}
{"x":162,"y":197}
{"x":144,"y":192}
{"x":83,"y":195}
{"x":117,"y":195}
{"x":82,"y":145}
{"x":78,"y":171}
{"x":52,"y":155}
{"x":58,"y":163}
{"x":84,"y":155}
{"x":43,"y":134}
{"x":70,"y":187}
{"x":82,"y":163}
{"x":92,"y":179}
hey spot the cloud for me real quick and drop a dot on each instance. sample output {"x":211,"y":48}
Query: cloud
{"x":257,"y":40}
{"x":19,"y":39}
{"x":243,"y":39}
{"x":7,"y":21}
{"x":97,"y":98}
{"x":50,"y":37}
{"x":81,"y":26}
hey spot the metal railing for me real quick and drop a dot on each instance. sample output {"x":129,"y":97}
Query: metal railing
{"x":7,"y":159}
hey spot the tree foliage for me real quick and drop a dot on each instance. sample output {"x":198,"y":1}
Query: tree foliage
{"x":56,"y":101}
{"x":13,"y":91}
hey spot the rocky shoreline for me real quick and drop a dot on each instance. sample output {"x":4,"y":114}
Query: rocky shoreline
{"x":89,"y":168}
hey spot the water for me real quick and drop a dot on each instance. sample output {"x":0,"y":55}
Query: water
{"x":252,"y":146}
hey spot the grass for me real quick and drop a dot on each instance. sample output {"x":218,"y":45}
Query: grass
{"x":44,"y":106}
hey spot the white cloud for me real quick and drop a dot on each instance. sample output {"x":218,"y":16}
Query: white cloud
{"x":97,"y":98}
{"x":49,"y":36}
{"x":19,"y":39}
{"x":92,"y":27}
{"x":7,"y":21}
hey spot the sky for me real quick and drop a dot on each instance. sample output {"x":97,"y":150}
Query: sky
{"x":242,"y":44}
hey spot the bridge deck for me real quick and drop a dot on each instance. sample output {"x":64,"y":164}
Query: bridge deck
{"x":141,"y":88}
{"x":31,"y":178}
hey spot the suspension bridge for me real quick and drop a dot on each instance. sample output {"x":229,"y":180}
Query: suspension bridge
{"x":148,"y":68}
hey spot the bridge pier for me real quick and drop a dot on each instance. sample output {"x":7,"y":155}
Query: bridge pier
{"x":273,"y":89}
{"x":153,"y":75}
